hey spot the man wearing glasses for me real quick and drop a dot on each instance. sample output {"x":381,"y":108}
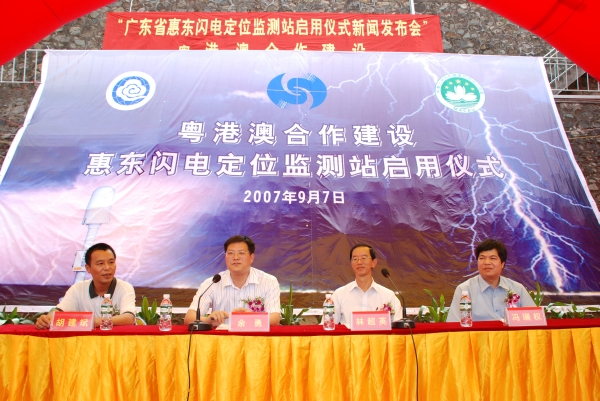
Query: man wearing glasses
{"x":363,"y":294}
{"x":242,"y":287}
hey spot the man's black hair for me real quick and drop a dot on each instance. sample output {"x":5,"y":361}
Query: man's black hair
{"x":100,"y":246}
{"x":488,"y":245}
{"x":240,"y":238}
{"x":371,"y":250}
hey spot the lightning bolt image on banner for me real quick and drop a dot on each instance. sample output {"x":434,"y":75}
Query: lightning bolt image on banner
{"x":164,"y":155}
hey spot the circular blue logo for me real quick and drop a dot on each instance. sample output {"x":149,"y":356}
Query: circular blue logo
{"x":297,"y":91}
{"x":130,"y":90}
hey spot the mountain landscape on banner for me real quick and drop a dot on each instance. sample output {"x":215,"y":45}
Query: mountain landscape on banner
{"x":165,"y":155}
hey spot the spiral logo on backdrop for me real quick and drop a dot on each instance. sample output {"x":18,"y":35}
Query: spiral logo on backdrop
{"x":130,"y":90}
{"x":297,"y":91}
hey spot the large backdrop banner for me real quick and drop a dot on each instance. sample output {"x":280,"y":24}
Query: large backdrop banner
{"x":165,"y":154}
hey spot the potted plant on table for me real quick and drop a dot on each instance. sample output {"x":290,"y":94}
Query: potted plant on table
{"x":288,"y":318}
{"x":147,"y":315}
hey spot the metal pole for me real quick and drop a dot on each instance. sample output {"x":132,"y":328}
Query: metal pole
{"x":412,"y":7}
{"x":25,"y":65}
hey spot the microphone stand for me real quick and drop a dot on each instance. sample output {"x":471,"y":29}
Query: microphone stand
{"x":403,"y":323}
{"x":199,"y":325}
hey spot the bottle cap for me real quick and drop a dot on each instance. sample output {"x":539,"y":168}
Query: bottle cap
{"x":166,"y":296}
{"x":465,"y":293}
{"x":327,"y":296}
{"x":106,"y":296}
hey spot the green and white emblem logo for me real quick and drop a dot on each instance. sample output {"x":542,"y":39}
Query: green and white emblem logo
{"x":460,"y":93}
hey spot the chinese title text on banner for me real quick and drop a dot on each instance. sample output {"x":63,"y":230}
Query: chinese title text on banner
{"x":273,"y":31}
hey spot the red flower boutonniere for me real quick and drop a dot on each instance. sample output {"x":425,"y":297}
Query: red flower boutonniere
{"x":255,"y":305}
{"x":387,"y":306}
{"x":512,"y":299}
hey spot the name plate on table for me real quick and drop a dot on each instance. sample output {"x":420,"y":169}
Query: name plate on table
{"x":72,"y":321}
{"x":531,"y":316}
{"x":373,"y":320}
{"x":249,"y":321}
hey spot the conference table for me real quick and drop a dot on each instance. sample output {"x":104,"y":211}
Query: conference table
{"x":488,"y":361}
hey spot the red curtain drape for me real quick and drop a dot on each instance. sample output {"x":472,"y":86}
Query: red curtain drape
{"x":568,"y":25}
{"x":23,"y":23}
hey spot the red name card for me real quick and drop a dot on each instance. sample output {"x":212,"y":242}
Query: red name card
{"x":532,"y":316}
{"x":372,"y":320}
{"x":249,"y":321}
{"x":72,"y":321}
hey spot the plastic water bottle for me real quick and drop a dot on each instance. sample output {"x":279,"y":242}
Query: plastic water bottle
{"x":106,"y":311}
{"x":166,"y":307}
{"x":328,"y":313}
{"x":465,"y":310}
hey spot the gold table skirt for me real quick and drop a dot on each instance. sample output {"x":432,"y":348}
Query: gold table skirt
{"x":544,"y":364}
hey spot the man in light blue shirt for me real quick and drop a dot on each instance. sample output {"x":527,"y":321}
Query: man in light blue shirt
{"x":489,"y":290}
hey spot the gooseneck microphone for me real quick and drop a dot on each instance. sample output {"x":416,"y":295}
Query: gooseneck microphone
{"x":404,"y":323}
{"x":199,"y":325}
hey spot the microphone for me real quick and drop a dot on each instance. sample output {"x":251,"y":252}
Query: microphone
{"x":199,"y":325}
{"x":403,"y":323}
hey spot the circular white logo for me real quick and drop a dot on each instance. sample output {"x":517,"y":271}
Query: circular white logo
{"x":460,"y":93}
{"x":130,"y":90}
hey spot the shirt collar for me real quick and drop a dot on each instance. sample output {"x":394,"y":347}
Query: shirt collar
{"x":503,"y":283}
{"x":111,"y":288}
{"x":483,"y":285}
{"x":354,"y":285}
{"x":251,"y":279}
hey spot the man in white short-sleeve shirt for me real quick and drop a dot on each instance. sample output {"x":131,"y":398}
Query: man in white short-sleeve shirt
{"x":364,"y":294}
{"x":239,"y":286}
{"x":87,"y":295}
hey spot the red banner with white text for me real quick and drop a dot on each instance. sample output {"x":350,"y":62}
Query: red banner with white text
{"x":273,"y":31}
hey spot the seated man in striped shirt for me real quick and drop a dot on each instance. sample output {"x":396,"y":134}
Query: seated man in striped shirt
{"x":241,"y":288}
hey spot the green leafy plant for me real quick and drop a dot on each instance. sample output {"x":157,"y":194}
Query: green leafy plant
{"x":436,"y":313}
{"x":560,"y":310}
{"x":537,"y":295}
{"x":12,"y":317}
{"x":148,"y":314}
{"x":288,"y":318}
